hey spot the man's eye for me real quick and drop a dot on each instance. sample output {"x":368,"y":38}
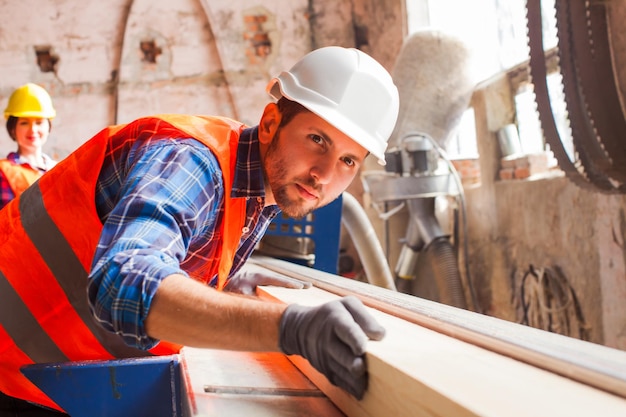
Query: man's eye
{"x":317,"y":139}
{"x":348,"y":161}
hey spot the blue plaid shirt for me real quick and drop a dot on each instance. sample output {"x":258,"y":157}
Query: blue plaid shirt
{"x":160,"y":204}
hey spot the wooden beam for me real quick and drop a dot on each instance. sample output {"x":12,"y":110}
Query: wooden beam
{"x":416,"y":371}
{"x":589,"y":363}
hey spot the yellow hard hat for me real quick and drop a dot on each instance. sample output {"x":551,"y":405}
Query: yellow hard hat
{"x":30,"y":100}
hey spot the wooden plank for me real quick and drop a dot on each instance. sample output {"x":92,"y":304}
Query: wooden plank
{"x":415,"y":371}
{"x":588,"y":363}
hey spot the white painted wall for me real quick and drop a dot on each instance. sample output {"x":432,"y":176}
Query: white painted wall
{"x":206,"y":65}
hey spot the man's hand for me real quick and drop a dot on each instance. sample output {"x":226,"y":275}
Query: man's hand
{"x":333,"y":338}
{"x":250,"y":276}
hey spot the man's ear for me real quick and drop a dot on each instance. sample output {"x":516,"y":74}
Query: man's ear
{"x":269,"y":123}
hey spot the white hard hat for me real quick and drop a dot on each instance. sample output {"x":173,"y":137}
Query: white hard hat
{"x":348,"y":89}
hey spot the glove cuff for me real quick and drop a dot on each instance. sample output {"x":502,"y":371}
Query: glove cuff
{"x":289,"y":322}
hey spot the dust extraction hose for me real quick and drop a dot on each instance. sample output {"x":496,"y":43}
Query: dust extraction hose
{"x":442,"y":258}
{"x":366,"y":243}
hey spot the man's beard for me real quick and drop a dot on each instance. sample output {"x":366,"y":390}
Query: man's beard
{"x":291,"y":207}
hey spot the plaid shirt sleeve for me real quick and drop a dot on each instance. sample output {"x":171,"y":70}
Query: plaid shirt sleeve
{"x":169,"y":197}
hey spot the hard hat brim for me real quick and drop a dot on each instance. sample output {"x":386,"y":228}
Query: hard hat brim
{"x":30,"y":114}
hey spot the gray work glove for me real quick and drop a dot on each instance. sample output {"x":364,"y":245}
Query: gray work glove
{"x":333,"y":338}
{"x":250,"y":276}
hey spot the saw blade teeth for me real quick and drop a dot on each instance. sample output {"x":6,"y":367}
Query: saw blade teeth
{"x":588,"y":162}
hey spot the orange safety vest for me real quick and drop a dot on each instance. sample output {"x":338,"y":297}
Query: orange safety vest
{"x":48,"y":238}
{"x":18,"y":176}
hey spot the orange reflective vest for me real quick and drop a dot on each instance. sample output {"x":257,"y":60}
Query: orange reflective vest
{"x":18,"y":176}
{"x":48,"y":238}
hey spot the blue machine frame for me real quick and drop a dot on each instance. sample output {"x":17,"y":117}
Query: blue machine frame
{"x":148,"y":386}
{"x":322,"y":226}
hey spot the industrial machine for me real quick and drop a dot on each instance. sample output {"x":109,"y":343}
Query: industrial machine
{"x":410,"y":181}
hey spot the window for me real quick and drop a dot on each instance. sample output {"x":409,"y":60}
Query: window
{"x":495,"y":32}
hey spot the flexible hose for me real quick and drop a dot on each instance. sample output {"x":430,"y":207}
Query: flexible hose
{"x":443,"y":261}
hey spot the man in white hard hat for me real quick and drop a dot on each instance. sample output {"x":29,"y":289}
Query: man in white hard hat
{"x":141,"y":208}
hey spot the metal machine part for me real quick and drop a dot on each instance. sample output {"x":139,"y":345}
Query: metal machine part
{"x":413,"y":180}
{"x":596,"y":115}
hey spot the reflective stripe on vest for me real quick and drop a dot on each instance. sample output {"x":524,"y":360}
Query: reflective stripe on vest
{"x":47,"y":241}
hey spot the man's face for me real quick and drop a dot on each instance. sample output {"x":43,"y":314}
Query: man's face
{"x":309,"y":163}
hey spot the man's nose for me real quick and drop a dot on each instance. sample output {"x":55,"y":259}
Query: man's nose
{"x":322,"y":171}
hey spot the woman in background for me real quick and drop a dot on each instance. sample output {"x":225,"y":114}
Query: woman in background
{"x":29,"y":115}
